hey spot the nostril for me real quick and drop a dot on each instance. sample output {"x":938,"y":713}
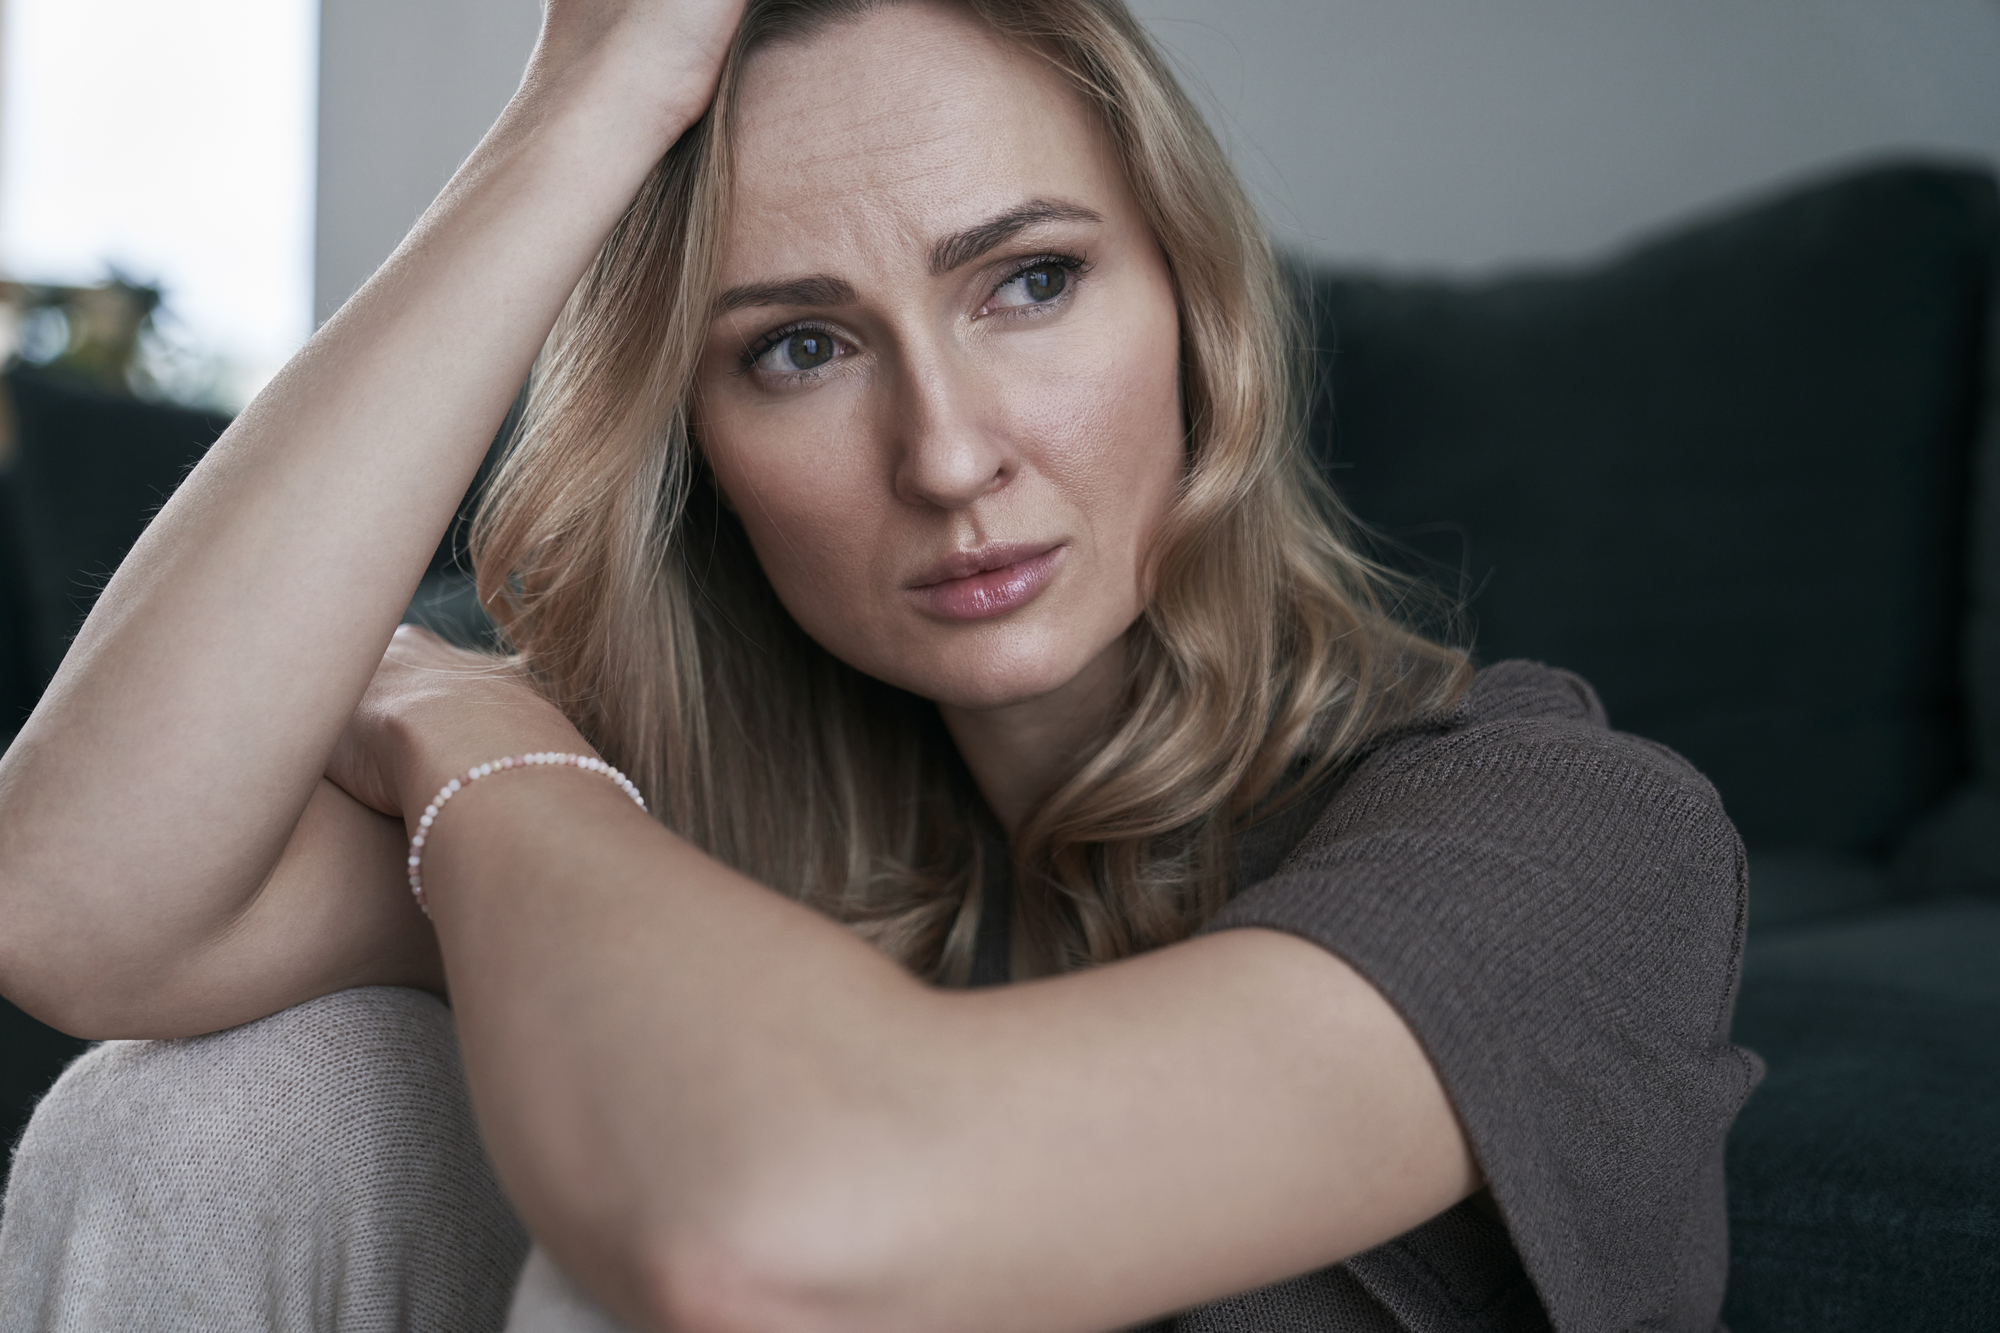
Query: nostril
{"x":951,"y":474}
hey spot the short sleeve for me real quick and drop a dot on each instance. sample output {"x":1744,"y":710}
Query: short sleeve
{"x":1557,"y":911}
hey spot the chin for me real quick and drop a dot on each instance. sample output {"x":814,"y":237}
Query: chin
{"x":989,"y":694}
{"x":985,"y":677}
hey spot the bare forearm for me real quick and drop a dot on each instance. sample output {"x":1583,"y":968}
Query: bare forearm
{"x":655,"y":1044}
{"x":720,"y":1111}
{"x":147,"y":798}
{"x":335,"y":914}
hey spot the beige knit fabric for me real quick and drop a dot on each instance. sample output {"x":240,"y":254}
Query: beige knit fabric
{"x":317,"y":1171}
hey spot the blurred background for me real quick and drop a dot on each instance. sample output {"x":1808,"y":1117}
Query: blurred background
{"x":188,"y":186}
{"x":1469,"y":134}
{"x":156,"y":189}
{"x":1729,"y":475}
{"x":234,"y":169}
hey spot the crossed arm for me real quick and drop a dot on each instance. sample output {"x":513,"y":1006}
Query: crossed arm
{"x":720,"y":1110}
{"x":716,"y":1108}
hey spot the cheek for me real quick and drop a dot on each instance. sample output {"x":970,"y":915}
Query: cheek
{"x":818,"y":530}
{"x":1112,"y":423}
{"x":803,"y":503}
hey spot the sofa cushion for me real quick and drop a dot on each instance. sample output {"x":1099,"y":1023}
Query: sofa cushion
{"x":20,"y":678}
{"x":90,"y":468}
{"x":1957,"y":849}
{"x":1793,"y":885}
{"x":1862,"y":1176}
{"x":1724,"y":477}
{"x":1983,"y":639}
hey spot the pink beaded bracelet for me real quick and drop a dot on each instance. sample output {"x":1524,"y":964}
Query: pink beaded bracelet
{"x":472,"y":775}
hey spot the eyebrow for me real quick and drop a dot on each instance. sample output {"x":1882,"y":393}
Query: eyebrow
{"x":953,"y":251}
{"x":961,"y":248}
{"x":817,"y":290}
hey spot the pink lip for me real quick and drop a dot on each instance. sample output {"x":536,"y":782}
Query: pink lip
{"x":988,"y":582}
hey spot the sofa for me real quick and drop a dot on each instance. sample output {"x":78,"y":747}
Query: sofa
{"x":1744,"y":477}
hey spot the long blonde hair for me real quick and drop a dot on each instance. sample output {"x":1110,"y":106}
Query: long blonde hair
{"x":1265,"y":657}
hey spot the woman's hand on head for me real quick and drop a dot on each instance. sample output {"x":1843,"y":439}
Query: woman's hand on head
{"x":432,"y":711}
{"x":665,"y":55}
{"x":225,"y":649}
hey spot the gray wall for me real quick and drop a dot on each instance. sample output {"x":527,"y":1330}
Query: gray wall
{"x":1454,"y":133}
{"x":406,"y":87}
{"x":1470,"y":133}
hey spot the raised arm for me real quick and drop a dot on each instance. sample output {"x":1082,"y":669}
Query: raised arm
{"x":147,"y":806}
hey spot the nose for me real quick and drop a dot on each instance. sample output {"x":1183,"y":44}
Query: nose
{"x":950,"y":444}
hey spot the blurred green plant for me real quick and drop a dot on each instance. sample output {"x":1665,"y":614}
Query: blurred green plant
{"x":94,"y":334}
{"x":119,"y":336}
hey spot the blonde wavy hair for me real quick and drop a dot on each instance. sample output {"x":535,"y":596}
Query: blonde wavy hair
{"x":1267,"y":654}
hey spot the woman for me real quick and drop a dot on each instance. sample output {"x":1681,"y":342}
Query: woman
{"x":909,"y":500}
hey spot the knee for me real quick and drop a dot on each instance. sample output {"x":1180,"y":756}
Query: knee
{"x":349,"y":1109}
{"x":333,"y":1143}
{"x":282,"y":1091}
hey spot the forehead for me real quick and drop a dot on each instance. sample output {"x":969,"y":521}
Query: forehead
{"x":895,"y":128}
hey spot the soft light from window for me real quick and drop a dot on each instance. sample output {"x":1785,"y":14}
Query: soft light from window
{"x":170,"y":141}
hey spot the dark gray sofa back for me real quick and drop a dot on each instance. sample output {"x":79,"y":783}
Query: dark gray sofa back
{"x":1726,"y":477}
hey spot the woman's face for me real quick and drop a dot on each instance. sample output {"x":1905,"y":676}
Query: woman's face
{"x":941,"y":388}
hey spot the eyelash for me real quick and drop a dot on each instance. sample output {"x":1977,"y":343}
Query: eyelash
{"x":755,"y":351}
{"x":1073,"y":265}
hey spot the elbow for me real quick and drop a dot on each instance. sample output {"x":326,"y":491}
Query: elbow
{"x":72,"y":1014}
{"x":847,"y":1260}
{"x":34,"y":979}
{"x":831,"y":1211}
{"x":703,"y":1284}
{"x":688,"y":1283}
{"x":694,"y":1284}
{"x":59,"y":998}
{"x":40,"y":972}
{"x":54,"y":977}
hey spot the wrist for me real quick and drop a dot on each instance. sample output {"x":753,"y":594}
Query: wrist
{"x":605,"y":98}
{"x":456,"y":787}
{"x":429,"y":756}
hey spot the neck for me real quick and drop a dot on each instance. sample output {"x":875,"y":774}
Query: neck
{"x":1016,"y":751}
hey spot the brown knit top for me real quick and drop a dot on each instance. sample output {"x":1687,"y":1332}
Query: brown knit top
{"x":1557,"y":911}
